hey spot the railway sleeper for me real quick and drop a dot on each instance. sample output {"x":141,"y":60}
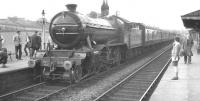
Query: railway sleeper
{"x":149,"y":73}
{"x":39,"y":93}
{"x":116,"y":98}
{"x":141,"y":88}
{"x":145,"y":78}
{"x":136,"y":84}
{"x":128,"y":92}
{"x":23,"y":98}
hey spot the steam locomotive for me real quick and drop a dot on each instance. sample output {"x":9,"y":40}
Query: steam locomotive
{"x":86,"y":45}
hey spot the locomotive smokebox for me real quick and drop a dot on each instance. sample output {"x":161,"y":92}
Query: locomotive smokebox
{"x":71,"y":7}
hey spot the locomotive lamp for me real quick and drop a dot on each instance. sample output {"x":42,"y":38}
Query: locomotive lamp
{"x":43,"y":28}
{"x":67,"y":65}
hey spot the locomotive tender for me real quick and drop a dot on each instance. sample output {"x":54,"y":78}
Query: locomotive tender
{"x":88,"y":45}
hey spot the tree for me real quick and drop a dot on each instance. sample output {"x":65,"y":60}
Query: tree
{"x":40,"y":21}
{"x":93,"y":14}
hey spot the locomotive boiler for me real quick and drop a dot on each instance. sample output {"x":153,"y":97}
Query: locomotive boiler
{"x":69,"y":29}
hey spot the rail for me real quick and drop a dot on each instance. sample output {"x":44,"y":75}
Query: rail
{"x":132,"y":74}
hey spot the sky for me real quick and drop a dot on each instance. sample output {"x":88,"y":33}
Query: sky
{"x":165,"y":14}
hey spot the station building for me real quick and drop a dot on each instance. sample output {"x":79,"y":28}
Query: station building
{"x":192,"y":21}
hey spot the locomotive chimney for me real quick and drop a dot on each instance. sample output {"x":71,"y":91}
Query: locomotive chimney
{"x":71,"y":7}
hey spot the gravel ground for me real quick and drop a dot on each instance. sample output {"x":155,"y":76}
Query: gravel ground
{"x":89,"y":90}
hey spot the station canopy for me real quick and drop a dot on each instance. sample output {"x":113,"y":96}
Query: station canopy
{"x":192,"y":20}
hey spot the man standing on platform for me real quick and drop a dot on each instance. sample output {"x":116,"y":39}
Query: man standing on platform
{"x":3,"y":52}
{"x":187,"y":47}
{"x":18,"y":45}
{"x":1,"y":41}
{"x":27,"y":45}
{"x":175,"y":56}
{"x":35,"y":45}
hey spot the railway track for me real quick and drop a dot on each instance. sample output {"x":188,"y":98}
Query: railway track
{"x":15,"y":80}
{"x":37,"y":92}
{"x":90,"y":89}
{"x":139,"y":85}
{"x":44,"y":91}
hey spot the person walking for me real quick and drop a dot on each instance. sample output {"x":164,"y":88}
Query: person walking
{"x":187,"y":47}
{"x":175,"y":56}
{"x":18,"y":45}
{"x":35,"y":43}
{"x":27,"y":45}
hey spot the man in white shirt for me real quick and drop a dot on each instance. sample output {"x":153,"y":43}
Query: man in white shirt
{"x":18,"y":45}
{"x":175,"y":56}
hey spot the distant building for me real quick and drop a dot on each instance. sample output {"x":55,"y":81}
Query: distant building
{"x":104,"y":9}
{"x":14,"y":23}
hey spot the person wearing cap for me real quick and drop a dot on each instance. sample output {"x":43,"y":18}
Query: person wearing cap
{"x":18,"y":45}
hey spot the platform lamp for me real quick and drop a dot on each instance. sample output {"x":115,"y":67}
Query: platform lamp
{"x":43,"y":28}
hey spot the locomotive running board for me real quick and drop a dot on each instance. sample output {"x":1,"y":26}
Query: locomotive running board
{"x":69,"y":33}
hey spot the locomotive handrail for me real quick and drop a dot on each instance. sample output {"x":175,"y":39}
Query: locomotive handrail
{"x":77,"y":51}
{"x":101,"y":26}
{"x":68,"y":33}
{"x":54,"y":57}
{"x":68,"y":24}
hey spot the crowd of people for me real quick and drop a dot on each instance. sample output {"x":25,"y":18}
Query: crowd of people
{"x":33,"y":44}
{"x":182,"y":48}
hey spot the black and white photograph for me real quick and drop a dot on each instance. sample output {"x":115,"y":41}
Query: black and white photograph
{"x":99,"y":50}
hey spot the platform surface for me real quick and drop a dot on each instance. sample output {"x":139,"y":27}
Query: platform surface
{"x":186,"y":88}
{"x":15,"y":65}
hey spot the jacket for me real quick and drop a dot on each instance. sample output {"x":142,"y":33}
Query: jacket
{"x":175,"y":51}
{"x":17,"y":40}
{"x":187,"y":46}
{"x":35,"y":42}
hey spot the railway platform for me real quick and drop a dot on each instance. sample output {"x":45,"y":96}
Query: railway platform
{"x":15,"y":76}
{"x":186,"y":88}
{"x":14,"y":65}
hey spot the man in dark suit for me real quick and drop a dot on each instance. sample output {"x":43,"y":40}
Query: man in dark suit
{"x":35,"y":43}
{"x":3,"y":56}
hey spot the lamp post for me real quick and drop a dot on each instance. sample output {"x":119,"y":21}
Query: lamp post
{"x":43,"y":28}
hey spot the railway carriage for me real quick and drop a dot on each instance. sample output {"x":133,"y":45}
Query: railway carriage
{"x":90,"y":45}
